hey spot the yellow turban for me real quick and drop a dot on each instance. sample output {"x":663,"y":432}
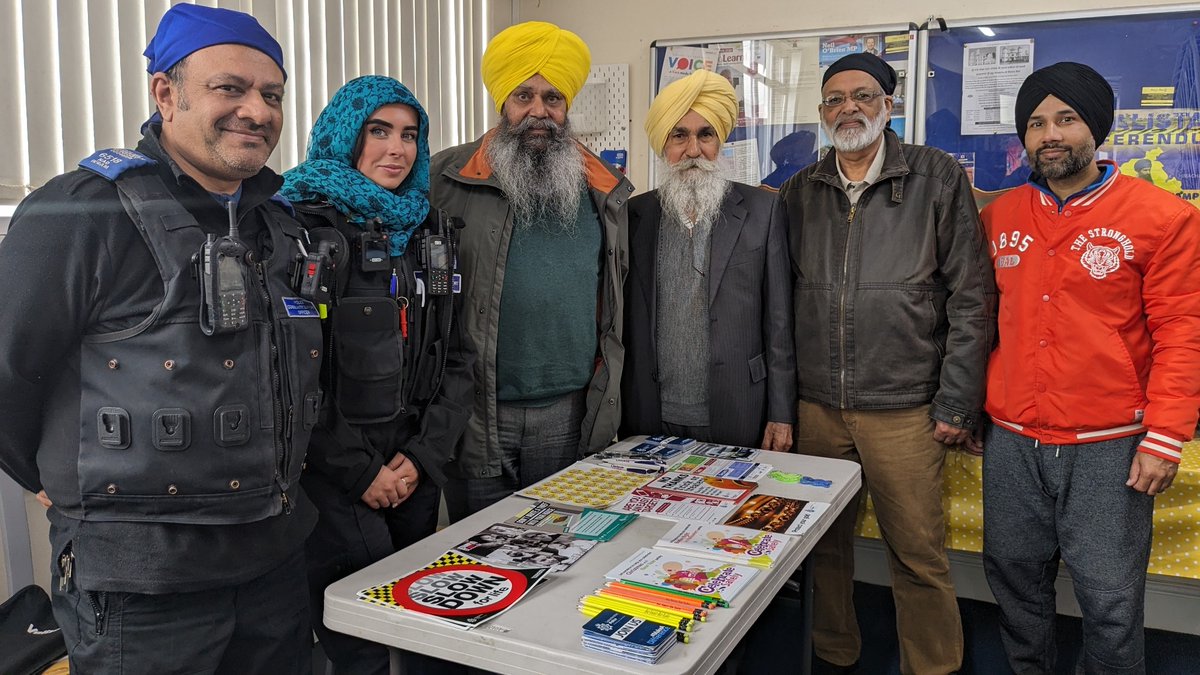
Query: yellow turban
{"x":519,"y":52}
{"x":703,"y":91}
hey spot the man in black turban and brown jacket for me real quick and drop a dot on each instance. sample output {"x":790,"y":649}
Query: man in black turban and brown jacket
{"x":894,"y":320}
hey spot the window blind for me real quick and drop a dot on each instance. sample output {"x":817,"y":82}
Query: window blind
{"x":77,"y":78}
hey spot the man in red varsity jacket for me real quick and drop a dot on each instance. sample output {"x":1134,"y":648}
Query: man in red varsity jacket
{"x":1095,"y":384}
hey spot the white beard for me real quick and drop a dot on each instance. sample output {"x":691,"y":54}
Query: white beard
{"x":853,"y":140}
{"x":543,"y":177}
{"x":693,"y":190}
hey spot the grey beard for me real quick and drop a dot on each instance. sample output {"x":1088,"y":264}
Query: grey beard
{"x":693,"y":190}
{"x":543,"y":177}
{"x":853,"y":141}
{"x":1078,"y":158}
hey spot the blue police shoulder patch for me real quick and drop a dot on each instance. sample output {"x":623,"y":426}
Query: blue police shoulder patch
{"x":115,"y":161}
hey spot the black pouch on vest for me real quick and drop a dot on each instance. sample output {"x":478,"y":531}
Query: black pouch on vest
{"x":369,"y":360}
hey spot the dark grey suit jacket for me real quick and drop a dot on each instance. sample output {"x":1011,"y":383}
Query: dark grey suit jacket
{"x":752,"y":368}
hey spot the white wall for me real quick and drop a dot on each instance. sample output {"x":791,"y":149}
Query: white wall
{"x":620,"y":31}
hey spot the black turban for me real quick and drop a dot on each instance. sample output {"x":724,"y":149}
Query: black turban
{"x":869,"y":64}
{"x":1075,"y":84}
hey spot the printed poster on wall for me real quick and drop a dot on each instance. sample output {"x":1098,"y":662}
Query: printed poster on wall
{"x":796,"y":81}
{"x":837,"y":46}
{"x":679,"y":62}
{"x":728,"y":64}
{"x":1160,"y":146}
{"x":738,"y":161}
{"x":992,"y":75}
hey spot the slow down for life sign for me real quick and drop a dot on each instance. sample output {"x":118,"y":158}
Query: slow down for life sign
{"x":456,"y":590}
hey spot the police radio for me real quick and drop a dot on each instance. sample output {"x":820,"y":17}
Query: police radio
{"x":437,"y":264}
{"x":223,"y":269}
{"x":437,"y":257}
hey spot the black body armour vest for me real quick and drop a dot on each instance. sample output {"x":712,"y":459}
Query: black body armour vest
{"x":180,"y":427}
{"x":376,"y":371}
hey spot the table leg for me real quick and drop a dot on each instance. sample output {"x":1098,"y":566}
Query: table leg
{"x":396,"y":662}
{"x":806,"y":619}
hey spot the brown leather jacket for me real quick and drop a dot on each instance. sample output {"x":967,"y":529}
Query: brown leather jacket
{"x":894,"y":297}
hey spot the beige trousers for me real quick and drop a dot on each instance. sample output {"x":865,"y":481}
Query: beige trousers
{"x":902,"y":469}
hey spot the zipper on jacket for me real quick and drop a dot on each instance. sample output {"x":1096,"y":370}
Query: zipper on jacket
{"x":276,"y":393}
{"x":287,"y":504}
{"x":280,"y":387}
{"x":842,"y":309}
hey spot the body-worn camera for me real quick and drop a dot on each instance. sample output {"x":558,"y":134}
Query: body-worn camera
{"x":373,"y":252}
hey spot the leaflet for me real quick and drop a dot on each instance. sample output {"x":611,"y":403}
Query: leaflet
{"x":480,"y":592}
{"x":722,"y":468}
{"x":725,"y":542}
{"x":700,"y":509}
{"x":682,"y":484}
{"x":510,"y":546}
{"x":694,"y":575}
{"x":777,"y":514}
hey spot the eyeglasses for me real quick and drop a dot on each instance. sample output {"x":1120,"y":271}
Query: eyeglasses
{"x":861,"y":97}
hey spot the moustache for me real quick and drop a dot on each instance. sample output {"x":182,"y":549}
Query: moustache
{"x":535,"y":124}
{"x":243,"y":126}
{"x":695,"y":163}
{"x":852,"y":117}
{"x":1053,"y":146}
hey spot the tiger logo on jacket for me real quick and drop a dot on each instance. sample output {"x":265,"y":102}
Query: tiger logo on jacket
{"x":1100,"y":261}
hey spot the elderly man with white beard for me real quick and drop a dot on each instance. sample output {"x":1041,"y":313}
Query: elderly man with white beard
{"x":895,"y":315}
{"x":543,"y":259}
{"x":708,"y":329}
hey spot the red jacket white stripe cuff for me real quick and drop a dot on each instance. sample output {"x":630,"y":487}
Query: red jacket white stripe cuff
{"x":1163,"y":447}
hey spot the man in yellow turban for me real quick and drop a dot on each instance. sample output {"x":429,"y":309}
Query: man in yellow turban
{"x":543,"y":247}
{"x":708,"y":340}
{"x":535,"y":48}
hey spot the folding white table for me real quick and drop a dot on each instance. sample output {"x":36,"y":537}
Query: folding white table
{"x":541,"y":633}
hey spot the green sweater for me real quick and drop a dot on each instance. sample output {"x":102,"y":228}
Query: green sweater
{"x":546,"y":345}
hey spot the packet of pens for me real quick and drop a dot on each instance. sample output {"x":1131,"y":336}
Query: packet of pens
{"x":679,"y":611}
{"x":629,"y":637}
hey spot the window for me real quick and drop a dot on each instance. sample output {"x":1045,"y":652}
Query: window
{"x":77,"y":78}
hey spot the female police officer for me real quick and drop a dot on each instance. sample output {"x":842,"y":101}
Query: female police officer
{"x":397,"y":373}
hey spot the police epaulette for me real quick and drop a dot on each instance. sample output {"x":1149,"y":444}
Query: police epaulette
{"x":115,"y":161}
{"x":286,"y":203}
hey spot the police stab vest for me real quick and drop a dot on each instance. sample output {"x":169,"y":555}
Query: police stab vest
{"x":180,"y":427}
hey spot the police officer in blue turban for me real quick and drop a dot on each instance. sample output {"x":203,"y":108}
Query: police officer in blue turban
{"x":160,"y":369}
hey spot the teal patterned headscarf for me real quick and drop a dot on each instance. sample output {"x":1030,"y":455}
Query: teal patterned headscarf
{"x":328,"y":172}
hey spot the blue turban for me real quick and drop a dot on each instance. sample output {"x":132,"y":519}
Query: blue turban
{"x":328,"y":173}
{"x":189,"y":28}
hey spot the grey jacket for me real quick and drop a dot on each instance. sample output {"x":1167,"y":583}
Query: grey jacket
{"x":752,"y":372}
{"x":461,"y":184}
{"x":894,"y":298}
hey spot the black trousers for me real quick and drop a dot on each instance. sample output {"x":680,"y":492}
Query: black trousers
{"x":348,"y":537}
{"x":260,"y":626}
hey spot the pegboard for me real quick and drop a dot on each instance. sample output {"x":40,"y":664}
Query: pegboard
{"x":600,"y":113}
